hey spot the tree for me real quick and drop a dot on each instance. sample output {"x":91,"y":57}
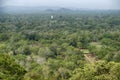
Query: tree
{"x":9,"y":69}
{"x":100,"y":70}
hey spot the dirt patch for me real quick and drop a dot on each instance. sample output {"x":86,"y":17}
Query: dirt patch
{"x":90,"y":58}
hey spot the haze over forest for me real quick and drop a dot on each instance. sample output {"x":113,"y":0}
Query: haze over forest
{"x":76,"y":4}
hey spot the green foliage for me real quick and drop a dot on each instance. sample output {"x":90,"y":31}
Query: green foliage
{"x":100,"y":70}
{"x":55,"y":49}
{"x":9,"y":70}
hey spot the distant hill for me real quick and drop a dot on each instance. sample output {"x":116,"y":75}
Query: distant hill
{"x":13,"y":9}
{"x":59,"y":10}
{"x":41,"y":9}
{"x":29,"y":9}
{"x":1,"y":9}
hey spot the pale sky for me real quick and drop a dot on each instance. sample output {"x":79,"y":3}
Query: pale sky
{"x":87,"y":4}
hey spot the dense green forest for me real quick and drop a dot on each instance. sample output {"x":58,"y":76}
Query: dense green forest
{"x":60,"y":46}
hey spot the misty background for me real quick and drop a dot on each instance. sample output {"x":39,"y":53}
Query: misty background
{"x":6,"y":5}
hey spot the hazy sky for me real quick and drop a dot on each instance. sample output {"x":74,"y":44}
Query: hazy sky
{"x":89,"y":4}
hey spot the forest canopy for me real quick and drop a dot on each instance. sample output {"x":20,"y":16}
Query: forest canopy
{"x":60,"y":46}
